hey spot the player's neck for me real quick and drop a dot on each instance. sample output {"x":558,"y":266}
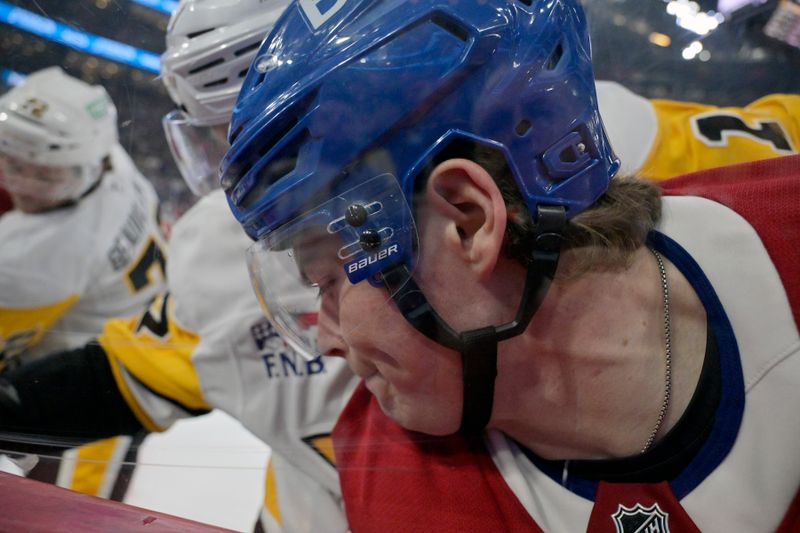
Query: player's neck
{"x":587,"y":379}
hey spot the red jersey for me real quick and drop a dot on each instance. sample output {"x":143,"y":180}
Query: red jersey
{"x":745,"y":477}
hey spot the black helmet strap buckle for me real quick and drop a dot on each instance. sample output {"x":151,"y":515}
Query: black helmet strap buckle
{"x":478,"y":347}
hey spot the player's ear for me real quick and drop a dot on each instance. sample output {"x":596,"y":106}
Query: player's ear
{"x":468,"y":202}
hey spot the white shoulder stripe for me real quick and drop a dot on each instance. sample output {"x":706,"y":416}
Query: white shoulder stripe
{"x":739,"y":268}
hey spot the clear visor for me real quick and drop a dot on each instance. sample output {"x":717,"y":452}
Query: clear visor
{"x":197,"y":151}
{"x":317,"y":275}
{"x":26,"y":181}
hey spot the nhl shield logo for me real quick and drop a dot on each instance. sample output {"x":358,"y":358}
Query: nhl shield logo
{"x":641,"y":519}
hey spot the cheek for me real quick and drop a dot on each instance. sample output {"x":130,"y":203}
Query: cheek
{"x":370,"y":320}
{"x":367,"y":318}
{"x":447,"y":289}
{"x":421,"y":380}
{"x":363,"y":305}
{"x":31,"y":187}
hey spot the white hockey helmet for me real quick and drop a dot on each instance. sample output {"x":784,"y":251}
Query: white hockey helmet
{"x":58,"y":129}
{"x":53,"y":119}
{"x":210,"y":45}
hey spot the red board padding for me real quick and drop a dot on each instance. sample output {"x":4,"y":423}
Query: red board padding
{"x":36,"y":507}
{"x":5,"y":201}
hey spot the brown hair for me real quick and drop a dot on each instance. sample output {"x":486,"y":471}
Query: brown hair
{"x":604,"y":236}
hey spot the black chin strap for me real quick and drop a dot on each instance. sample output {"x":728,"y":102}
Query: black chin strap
{"x":478,"y":347}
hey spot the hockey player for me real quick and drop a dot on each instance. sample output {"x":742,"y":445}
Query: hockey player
{"x":83,"y":242}
{"x":542,"y":346}
{"x":164,"y":363}
{"x":205,"y":343}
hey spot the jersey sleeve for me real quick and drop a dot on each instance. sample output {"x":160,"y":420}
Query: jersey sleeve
{"x":151,"y":360}
{"x":5,"y":201}
{"x":154,"y":356}
{"x":35,"y":291}
{"x":630,"y":122}
{"x":693,"y":137}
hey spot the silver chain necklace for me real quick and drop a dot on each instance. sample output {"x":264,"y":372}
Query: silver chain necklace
{"x":668,"y":354}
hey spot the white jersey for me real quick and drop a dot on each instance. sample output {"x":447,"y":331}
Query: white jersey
{"x":754,"y":482}
{"x":208,"y":345}
{"x":630,"y":122}
{"x":63,"y":273}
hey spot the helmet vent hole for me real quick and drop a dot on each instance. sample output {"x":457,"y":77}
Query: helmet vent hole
{"x":246,"y":49}
{"x":248,"y":187}
{"x":234,"y":134}
{"x":281,"y":165}
{"x":207,"y":66}
{"x":526,"y":2}
{"x":555,"y":57}
{"x":568,"y":155}
{"x":263,"y":149}
{"x":450,"y":26}
{"x":523,"y":127}
{"x":199,"y":33}
{"x":221,"y":81}
{"x":279,"y":134}
{"x":297,"y":110}
{"x":243,"y":73}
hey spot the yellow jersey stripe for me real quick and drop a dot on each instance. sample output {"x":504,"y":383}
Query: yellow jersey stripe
{"x":323,"y":445}
{"x":271,"y":494}
{"x":162,"y":362}
{"x":97,"y":465}
{"x":21,"y":328}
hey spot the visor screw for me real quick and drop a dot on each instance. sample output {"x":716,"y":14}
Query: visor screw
{"x":369,"y":240}
{"x":265,"y":63}
{"x":355,"y":215}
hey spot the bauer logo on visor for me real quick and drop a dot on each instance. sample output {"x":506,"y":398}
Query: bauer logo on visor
{"x":366,"y":261}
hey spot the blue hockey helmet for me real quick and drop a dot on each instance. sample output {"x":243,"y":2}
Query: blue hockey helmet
{"x":348,"y":100}
{"x":332,"y":86}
